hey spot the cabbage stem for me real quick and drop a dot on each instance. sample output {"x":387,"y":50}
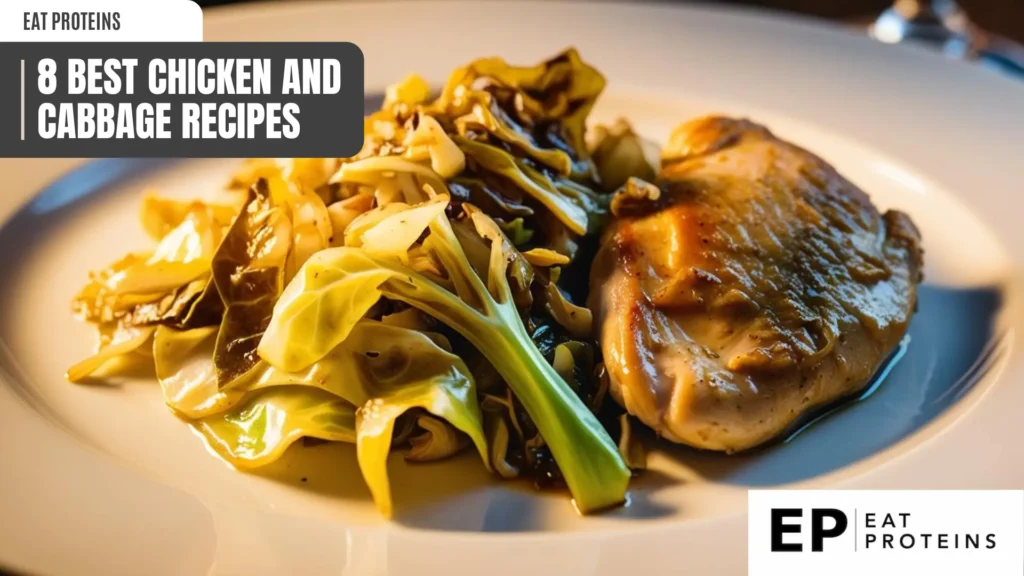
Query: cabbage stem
{"x":589,"y":460}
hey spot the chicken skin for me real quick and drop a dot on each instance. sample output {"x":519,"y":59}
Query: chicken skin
{"x":749,"y":284}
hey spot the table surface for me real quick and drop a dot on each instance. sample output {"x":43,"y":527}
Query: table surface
{"x":1005,"y":17}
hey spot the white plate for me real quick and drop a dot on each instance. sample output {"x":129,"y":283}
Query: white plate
{"x":103,"y":480}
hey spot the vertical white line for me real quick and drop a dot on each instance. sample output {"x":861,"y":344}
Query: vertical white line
{"x":22,"y":100}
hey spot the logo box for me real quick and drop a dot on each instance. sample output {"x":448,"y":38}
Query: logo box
{"x":880,"y":532}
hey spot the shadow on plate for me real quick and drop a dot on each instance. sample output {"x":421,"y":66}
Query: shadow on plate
{"x":455,"y":495}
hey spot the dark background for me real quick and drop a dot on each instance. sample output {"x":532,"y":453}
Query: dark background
{"x":1004,"y":17}
{"x":330,"y":124}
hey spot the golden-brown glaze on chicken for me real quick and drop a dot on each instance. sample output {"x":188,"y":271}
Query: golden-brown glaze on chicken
{"x":752,"y":284}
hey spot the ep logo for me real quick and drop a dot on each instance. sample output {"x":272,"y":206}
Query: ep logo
{"x":845,"y":532}
{"x":824,"y":523}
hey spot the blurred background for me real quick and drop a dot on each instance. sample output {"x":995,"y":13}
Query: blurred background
{"x":1003,"y":17}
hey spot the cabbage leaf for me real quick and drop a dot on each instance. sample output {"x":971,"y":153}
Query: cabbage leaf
{"x":160,"y":215}
{"x":381,"y":372}
{"x":248,"y":272}
{"x":553,"y":98}
{"x":116,"y":340}
{"x":257,"y":431}
{"x":573,"y":215}
{"x":181,"y":256}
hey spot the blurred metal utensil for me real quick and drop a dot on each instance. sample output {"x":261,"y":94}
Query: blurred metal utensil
{"x":943,"y":25}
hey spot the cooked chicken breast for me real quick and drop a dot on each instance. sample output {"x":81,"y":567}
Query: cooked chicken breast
{"x":750,"y":285}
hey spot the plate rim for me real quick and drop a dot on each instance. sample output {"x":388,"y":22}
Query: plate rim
{"x":1011,"y":365}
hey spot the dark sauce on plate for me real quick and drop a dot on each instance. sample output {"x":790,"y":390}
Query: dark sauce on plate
{"x":819,"y":414}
